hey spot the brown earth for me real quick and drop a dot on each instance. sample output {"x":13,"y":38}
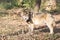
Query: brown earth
{"x":15,"y":28}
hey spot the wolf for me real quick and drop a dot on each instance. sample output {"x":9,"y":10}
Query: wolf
{"x":38,"y":19}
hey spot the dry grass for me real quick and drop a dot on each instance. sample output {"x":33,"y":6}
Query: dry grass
{"x":15,"y":28}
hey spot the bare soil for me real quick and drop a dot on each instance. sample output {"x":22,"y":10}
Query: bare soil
{"x":15,"y":28}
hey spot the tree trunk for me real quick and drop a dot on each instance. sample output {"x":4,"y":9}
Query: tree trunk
{"x":37,"y":6}
{"x":45,"y":5}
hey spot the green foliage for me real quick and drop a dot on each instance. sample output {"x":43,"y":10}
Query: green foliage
{"x":8,"y":4}
{"x":28,"y":3}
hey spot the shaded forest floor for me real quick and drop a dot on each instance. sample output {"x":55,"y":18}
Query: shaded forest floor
{"x":14,"y":28}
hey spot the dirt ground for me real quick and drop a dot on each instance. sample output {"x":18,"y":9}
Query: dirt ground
{"x":12,"y":28}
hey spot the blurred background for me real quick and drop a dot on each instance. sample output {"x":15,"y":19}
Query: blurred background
{"x":9,"y":4}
